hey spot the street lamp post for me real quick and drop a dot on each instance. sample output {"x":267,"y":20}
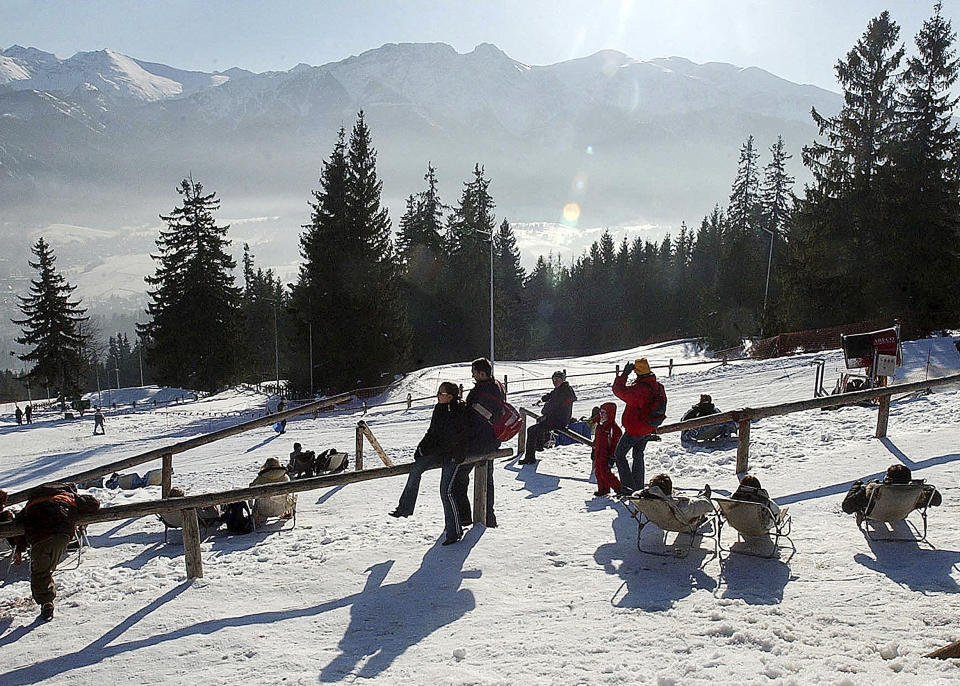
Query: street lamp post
{"x":489,"y":234}
{"x":766,"y":286}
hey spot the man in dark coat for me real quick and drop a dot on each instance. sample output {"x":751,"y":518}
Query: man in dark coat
{"x":28,"y":413}
{"x":485,"y":404}
{"x":19,"y":415}
{"x":50,"y":522}
{"x":557,"y":410}
{"x":714,"y":432}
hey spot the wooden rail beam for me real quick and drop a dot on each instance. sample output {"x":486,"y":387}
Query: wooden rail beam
{"x":189,"y":444}
{"x":152,"y":507}
{"x":572,"y":435}
{"x":375,"y":443}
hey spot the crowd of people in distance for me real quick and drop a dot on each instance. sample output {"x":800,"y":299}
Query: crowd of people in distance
{"x":24,"y":416}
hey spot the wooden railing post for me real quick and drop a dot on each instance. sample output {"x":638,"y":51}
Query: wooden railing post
{"x":883,"y":416}
{"x":191,"y":544}
{"x":670,"y":368}
{"x":522,"y":436}
{"x":480,"y":493}
{"x":504,"y":384}
{"x":358,"y":460}
{"x":743,"y":446}
{"x":409,"y":400}
{"x":375,"y":443}
{"x":166,"y":475}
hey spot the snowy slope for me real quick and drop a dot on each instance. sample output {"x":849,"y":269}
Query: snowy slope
{"x":558,"y":594}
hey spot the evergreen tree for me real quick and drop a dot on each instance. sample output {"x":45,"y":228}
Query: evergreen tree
{"x":421,"y":250}
{"x":776,"y":196}
{"x":52,"y":327}
{"x":192,"y":337}
{"x":510,"y":330}
{"x":465,"y":309}
{"x":317,"y":298}
{"x":349,"y":284}
{"x":841,"y":227}
{"x":264,"y":305}
{"x":742,"y":269}
{"x":920,"y":274}
{"x":539,"y":302}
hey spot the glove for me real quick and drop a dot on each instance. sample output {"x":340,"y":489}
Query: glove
{"x":628,"y":367}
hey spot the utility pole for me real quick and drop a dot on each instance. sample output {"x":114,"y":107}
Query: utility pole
{"x":276,"y":345}
{"x":766,"y":286}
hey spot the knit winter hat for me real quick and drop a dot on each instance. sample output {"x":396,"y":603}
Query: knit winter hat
{"x":271,"y":463}
{"x":641,"y":366}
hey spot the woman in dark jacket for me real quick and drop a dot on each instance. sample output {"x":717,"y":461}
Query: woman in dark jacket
{"x":446,"y":436}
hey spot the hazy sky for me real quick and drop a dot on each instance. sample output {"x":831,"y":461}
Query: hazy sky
{"x":799,"y":40}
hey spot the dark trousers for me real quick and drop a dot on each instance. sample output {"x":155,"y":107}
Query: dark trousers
{"x":44,"y":558}
{"x":536,"y":436}
{"x":454,"y":480}
{"x":408,"y":498}
{"x":631,"y":477}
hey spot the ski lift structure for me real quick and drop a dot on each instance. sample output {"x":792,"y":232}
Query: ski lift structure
{"x":870,"y":358}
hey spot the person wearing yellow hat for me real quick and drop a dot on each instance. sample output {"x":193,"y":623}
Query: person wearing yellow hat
{"x":646,"y":405}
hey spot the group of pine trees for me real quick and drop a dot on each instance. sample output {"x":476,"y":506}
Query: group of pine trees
{"x":875,"y":235}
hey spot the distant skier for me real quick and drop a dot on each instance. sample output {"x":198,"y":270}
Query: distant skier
{"x":19,"y":415}
{"x":98,"y":422}
{"x":28,"y":413}
{"x":281,"y":406}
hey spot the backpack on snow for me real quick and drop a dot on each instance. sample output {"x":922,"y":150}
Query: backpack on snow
{"x":656,"y":411}
{"x":237,"y":518}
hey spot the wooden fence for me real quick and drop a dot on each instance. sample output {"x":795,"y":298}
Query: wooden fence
{"x":188,"y":505}
{"x":166,"y":453}
{"x":744,"y":416}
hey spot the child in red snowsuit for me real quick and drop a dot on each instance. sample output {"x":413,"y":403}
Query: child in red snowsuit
{"x":604,"y":442}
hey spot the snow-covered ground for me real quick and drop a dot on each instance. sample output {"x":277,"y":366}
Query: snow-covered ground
{"x":558,"y":594}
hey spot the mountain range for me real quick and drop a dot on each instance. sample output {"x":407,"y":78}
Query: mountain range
{"x":92,"y":147}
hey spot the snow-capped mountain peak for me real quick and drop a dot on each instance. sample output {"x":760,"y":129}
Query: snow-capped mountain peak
{"x":109,"y":71}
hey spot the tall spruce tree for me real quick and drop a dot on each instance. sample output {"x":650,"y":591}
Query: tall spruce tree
{"x":776,"y":198}
{"x":348,"y":291}
{"x":264,"y":305}
{"x":421,"y":249}
{"x":465,"y":310}
{"x":317,"y":297}
{"x":742,"y":267}
{"x":510,"y":329}
{"x":193,"y":336}
{"x":923,"y":194}
{"x":52,"y":327}
{"x":841,"y":227}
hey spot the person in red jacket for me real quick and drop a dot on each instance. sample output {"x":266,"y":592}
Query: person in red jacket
{"x":604,"y":441}
{"x":640,"y":397}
